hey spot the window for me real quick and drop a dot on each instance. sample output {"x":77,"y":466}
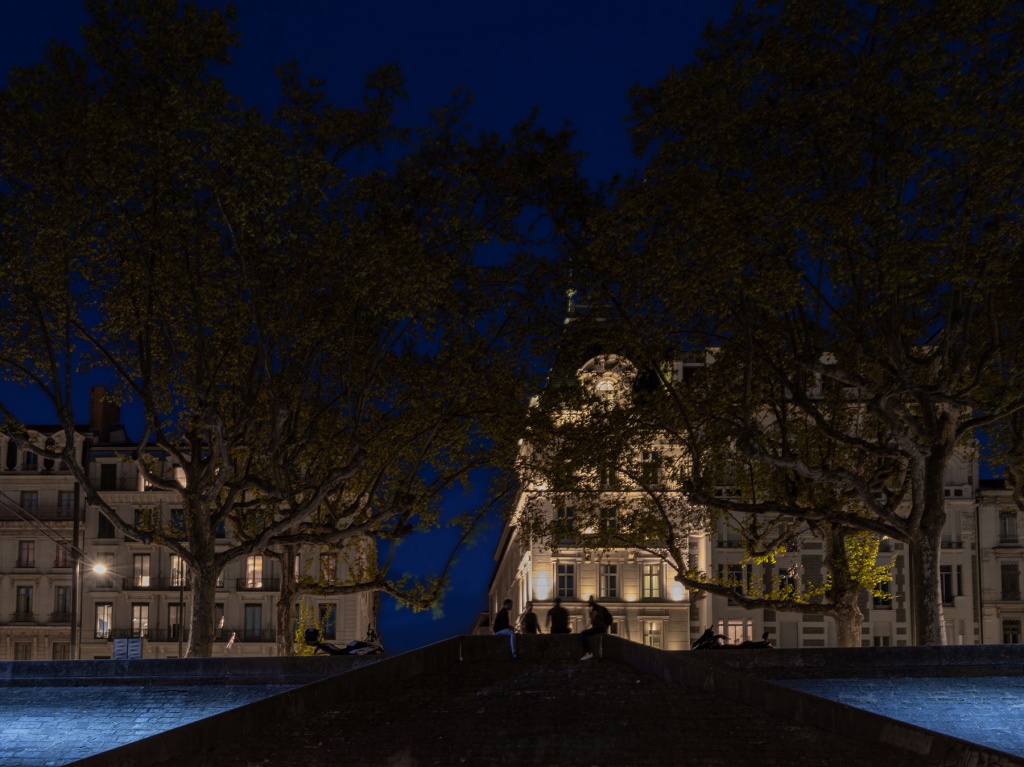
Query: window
{"x":653,"y":634}
{"x":254,"y":572}
{"x":63,"y":557}
{"x":253,"y":623}
{"x":178,"y":524}
{"x":140,"y":571}
{"x":179,"y":572}
{"x":328,"y":567}
{"x":1010,"y":572}
{"x":881,"y":641}
{"x":140,"y":619}
{"x":174,"y":622}
{"x":61,"y":604}
{"x":22,"y":651}
{"x":327,"y":622}
{"x":609,"y":519}
{"x":651,"y":582}
{"x":1007,"y":527}
{"x":61,"y":651}
{"x":608,"y":587}
{"x":565,"y":521}
{"x":605,"y":389}
{"x":23,"y":604}
{"x":31,"y":462}
{"x":565,"y":585}
{"x":108,"y":476}
{"x":608,"y":476}
{"x":66,"y":501}
{"x":787,"y":578}
{"x":650,"y":468}
{"x":30,"y":499}
{"x":883,"y":602}
{"x":951,"y":581}
{"x":1011,"y":632}
{"x":105,"y":528}
{"x":104,"y":617}
{"x":26,"y":553}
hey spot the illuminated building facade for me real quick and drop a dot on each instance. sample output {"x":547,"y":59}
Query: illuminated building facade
{"x":982,"y":558}
{"x":145,"y":591}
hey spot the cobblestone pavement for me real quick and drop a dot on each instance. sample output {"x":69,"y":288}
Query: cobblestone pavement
{"x":986,"y":710}
{"x":51,"y":726}
{"x":553,"y":713}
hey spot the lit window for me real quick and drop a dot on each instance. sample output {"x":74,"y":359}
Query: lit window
{"x":651,"y":582}
{"x":140,"y":619}
{"x":653,"y":633}
{"x":140,"y":571}
{"x":566,"y":581}
{"x":179,"y":571}
{"x":104,"y":616}
{"x":254,"y":572}
{"x":608,"y":588}
{"x":605,"y":388}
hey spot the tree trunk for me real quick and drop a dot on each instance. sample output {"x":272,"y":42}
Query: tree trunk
{"x":203,"y":581}
{"x":925,"y":544}
{"x":202,"y":574}
{"x":284,"y":616}
{"x":845,"y":591}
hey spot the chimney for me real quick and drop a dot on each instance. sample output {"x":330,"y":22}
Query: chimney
{"x":103,"y":415}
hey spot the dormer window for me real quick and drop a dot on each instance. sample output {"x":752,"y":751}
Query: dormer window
{"x":605,"y":388}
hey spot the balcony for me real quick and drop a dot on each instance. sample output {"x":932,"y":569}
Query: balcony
{"x":258,"y":584}
{"x":252,"y":635}
{"x":60,"y":617}
{"x":951,"y":544}
{"x":172,"y":634}
{"x":40,"y":513}
{"x":23,"y":617}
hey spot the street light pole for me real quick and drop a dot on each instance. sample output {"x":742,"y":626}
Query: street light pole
{"x":181,"y":604}
{"x":76,"y":576}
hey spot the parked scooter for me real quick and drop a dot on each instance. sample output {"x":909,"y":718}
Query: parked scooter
{"x":709,"y":640}
{"x":370,"y":646}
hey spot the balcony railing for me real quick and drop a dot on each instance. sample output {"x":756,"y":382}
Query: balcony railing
{"x":168,"y":634}
{"x":23,"y":617}
{"x":41,"y":513}
{"x":156,"y":584}
{"x":252,"y":635}
{"x":258,"y":584}
{"x":25,"y":562}
{"x":950,"y":544}
{"x":1007,"y":539}
{"x":60,"y":617}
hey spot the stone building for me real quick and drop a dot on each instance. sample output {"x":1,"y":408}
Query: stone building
{"x":980,"y":570}
{"x":144,"y":592}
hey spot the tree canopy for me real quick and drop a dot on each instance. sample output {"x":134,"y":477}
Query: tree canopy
{"x":301,"y":304}
{"x":831,"y":202}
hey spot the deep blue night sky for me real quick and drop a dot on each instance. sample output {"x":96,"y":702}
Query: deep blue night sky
{"x":574,"y":60}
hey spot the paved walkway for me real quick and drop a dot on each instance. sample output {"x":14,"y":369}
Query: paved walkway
{"x":987,"y":710}
{"x":51,"y":726}
{"x":533,"y":712}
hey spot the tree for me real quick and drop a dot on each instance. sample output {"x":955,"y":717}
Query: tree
{"x":294,"y":302}
{"x":664,"y":474}
{"x":831,"y":200}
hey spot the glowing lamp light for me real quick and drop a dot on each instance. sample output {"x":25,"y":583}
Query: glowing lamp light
{"x":542,"y":585}
{"x":630,"y":597}
{"x":678,"y":592}
{"x":99,"y":569}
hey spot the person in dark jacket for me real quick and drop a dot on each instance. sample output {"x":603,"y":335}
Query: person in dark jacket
{"x":503,"y":626}
{"x":528,"y":622}
{"x":600,"y":620}
{"x":558,"y":619}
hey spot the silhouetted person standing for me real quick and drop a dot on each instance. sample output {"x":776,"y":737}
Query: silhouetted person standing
{"x":528,"y":622}
{"x":558,"y":618}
